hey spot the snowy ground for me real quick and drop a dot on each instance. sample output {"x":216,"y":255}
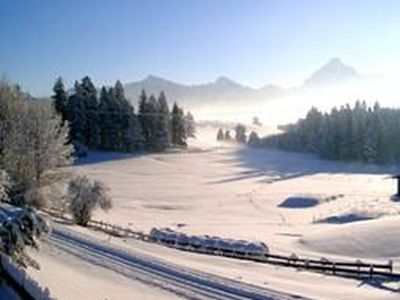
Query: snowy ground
{"x":292,"y":202}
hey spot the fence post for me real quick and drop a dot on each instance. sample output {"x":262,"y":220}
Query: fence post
{"x":371,"y":271}
{"x":307,"y":263}
{"x":358,"y":267}
{"x":391,"y":266}
{"x":333,"y":268}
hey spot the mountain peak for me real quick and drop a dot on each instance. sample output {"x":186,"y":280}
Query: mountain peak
{"x":223,"y":80}
{"x":335,"y":61}
{"x":152,"y":78}
{"x":334,"y":71}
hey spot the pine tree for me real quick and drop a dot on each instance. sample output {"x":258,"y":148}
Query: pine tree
{"x":350,"y":133}
{"x":143,"y":116}
{"x":240,"y":133}
{"x":220,"y":135}
{"x":60,"y":99}
{"x":92,"y":131}
{"x":151,"y":123}
{"x":77,"y":116}
{"x":106,"y":120}
{"x":190,"y":125}
{"x":163,"y":132}
{"x":371,"y":141}
{"x":254,"y":139}
{"x":178,"y":132}
{"x":228,"y":136}
{"x":128,"y":125}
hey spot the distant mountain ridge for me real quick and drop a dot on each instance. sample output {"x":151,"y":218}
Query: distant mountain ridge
{"x":331,"y":73}
{"x":225,"y":90}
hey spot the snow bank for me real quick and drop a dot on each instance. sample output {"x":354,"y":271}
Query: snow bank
{"x":369,"y":239}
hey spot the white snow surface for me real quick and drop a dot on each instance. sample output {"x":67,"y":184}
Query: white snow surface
{"x":232,"y":191}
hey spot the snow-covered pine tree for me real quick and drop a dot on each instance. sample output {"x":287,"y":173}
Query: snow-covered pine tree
{"x":178,"y":131}
{"x":60,"y":98}
{"x":21,"y":228}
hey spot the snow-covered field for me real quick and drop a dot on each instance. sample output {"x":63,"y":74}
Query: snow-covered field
{"x":292,"y":202}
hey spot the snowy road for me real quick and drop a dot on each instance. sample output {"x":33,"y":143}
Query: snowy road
{"x":184,"y":282}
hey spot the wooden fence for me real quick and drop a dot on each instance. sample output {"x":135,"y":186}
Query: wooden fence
{"x":356,"y":268}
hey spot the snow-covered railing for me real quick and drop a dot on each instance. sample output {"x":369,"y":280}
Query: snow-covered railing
{"x":23,"y":281}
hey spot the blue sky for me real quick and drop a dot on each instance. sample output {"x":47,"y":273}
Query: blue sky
{"x":254,"y":42}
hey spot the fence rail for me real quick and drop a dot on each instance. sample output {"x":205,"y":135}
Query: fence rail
{"x":356,"y":268}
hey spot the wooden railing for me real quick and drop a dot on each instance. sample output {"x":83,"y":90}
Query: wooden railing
{"x":356,"y":268}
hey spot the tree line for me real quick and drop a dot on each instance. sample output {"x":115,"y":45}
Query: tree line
{"x":362,"y":133}
{"x":240,"y":136}
{"x":107,"y":120}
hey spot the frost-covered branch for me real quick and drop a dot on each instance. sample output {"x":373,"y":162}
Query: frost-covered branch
{"x":21,"y":228}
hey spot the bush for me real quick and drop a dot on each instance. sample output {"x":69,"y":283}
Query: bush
{"x":84,"y":196}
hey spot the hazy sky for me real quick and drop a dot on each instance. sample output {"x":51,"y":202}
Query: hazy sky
{"x":253,"y":42}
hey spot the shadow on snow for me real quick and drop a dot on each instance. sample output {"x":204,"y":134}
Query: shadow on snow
{"x":273,"y":165}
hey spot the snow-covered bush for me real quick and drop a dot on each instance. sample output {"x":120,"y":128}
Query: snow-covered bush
{"x":84,"y":196}
{"x":19,"y":228}
{"x":33,"y":147}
